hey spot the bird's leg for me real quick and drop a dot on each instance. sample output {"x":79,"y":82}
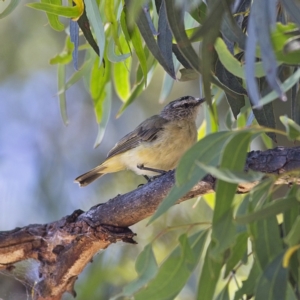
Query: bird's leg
{"x":142,"y":167}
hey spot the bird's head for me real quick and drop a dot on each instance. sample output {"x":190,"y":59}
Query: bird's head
{"x":186,"y":107}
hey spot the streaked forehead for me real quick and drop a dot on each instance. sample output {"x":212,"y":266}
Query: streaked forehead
{"x":184,"y":100}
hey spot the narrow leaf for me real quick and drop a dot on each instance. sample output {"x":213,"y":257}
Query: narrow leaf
{"x":232,"y":64}
{"x":271,"y":209}
{"x":67,"y":12}
{"x":176,"y":22}
{"x":164,"y":39}
{"x":263,"y":14}
{"x":61,"y":77}
{"x":146,"y":267}
{"x":74,"y":35}
{"x":224,"y":231}
{"x":288,"y":84}
{"x":54,"y":21}
{"x":84,"y":25}
{"x":209,"y":277}
{"x":105,"y":113}
{"x":147,"y":34}
{"x":229,"y":175}
{"x":175,"y":270}
{"x":94,"y":17}
{"x":10,"y":8}
{"x":273,"y":282}
{"x":292,"y":129}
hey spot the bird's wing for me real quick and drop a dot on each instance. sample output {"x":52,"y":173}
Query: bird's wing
{"x":146,"y":132}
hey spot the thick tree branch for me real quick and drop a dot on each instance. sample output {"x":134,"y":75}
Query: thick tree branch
{"x":64,"y":247}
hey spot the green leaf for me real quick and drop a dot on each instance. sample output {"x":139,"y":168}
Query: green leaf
{"x":224,"y":231}
{"x":61,"y":77}
{"x":99,"y":77}
{"x":99,"y":88}
{"x":84,"y":25}
{"x":122,"y":79}
{"x":54,"y":21}
{"x":265,"y":115}
{"x":224,"y":295}
{"x":250,"y":283}
{"x":167,"y":84}
{"x":209,"y":276}
{"x":290,"y":293}
{"x":281,"y":35}
{"x":105,"y":99}
{"x":266,"y":242}
{"x":272,"y":284}
{"x":112,"y":56}
{"x":67,"y":12}
{"x":94,"y":17}
{"x":74,"y":35}
{"x":237,"y":252}
{"x":147,"y":35}
{"x":287,"y":84}
{"x":164,"y":38}
{"x":232,"y":64}
{"x":9,"y":8}
{"x":293,"y":237}
{"x":292,"y":129}
{"x":236,"y":104}
{"x":65,"y":56}
{"x":210,"y":31}
{"x":270,"y":209}
{"x":295,"y":102}
{"x":77,"y":75}
{"x":232,"y":31}
{"x":263,"y":18}
{"x":146,"y":267}
{"x":176,"y":269}
{"x":133,"y":95}
{"x":109,"y":9}
{"x":136,"y":40}
{"x":176,"y":23}
{"x":229,"y":175}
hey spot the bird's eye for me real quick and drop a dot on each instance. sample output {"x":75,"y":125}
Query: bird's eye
{"x":186,"y":105}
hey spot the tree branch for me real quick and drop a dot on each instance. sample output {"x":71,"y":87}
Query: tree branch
{"x":64,"y":247}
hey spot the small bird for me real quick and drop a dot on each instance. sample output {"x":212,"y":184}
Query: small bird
{"x":156,"y":145}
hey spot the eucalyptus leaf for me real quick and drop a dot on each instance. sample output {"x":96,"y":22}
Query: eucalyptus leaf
{"x":271,"y":209}
{"x":146,"y":32}
{"x":224,"y":230}
{"x":93,"y":15}
{"x":61,"y":77}
{"x":74,"y":36}
{"x":209,"y":276}
{"x":84,"y":25}
{"x":273,"y":282}
{"x":10,"y":8}
{"x":292,"y":128}
{"x":64,"y":11}
{"x":105,"y":113}
{"x":53,"y":19}
{"x":229,"y":175}
{"x":175,"y":270}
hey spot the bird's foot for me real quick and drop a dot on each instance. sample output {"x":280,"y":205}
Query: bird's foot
{"x":152,"y":178}
{"x":142,"y":167}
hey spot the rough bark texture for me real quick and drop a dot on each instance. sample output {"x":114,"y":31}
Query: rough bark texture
{"x":64,"y":247}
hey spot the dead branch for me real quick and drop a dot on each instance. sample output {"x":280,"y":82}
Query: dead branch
{"x":64,"y":247}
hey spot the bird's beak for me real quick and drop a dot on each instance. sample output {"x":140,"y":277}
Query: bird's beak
{"x":200,"y":100}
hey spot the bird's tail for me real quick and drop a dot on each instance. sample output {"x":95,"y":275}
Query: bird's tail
{"x":111,"y":165}
{"x":90,"y":176}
